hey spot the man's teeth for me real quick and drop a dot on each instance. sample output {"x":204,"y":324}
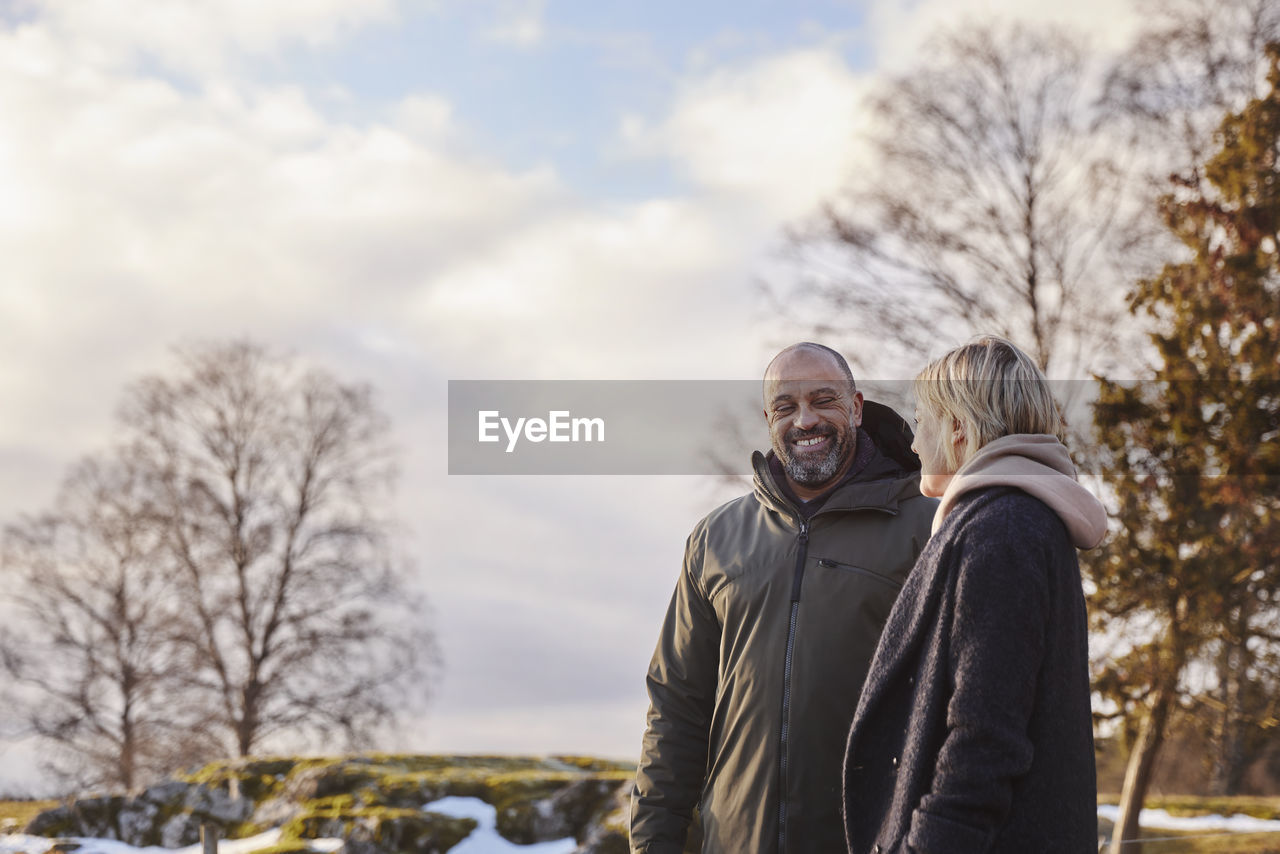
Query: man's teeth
{"x":804,"y":443}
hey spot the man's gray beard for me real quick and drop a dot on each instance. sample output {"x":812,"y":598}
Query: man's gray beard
{"x":810,"y":472}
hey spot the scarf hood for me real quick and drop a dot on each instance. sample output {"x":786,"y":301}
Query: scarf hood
{"x":1040,"y":466}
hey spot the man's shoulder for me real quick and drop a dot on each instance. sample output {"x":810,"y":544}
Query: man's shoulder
{"x":735,"y":512}
{"x":915,"y":504}
{"x":891,"y":489}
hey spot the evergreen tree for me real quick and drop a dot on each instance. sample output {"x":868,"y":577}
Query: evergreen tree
{"x":1192,"y":571}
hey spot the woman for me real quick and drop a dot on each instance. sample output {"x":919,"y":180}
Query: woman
{"x":973,"y":732}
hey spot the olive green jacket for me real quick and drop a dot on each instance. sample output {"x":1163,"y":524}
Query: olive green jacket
{"x":766,"y":643}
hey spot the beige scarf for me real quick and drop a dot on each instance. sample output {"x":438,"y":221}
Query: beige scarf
{"x":1040,"y":466}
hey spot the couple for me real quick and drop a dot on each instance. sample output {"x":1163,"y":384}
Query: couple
{"x":782,"y":713}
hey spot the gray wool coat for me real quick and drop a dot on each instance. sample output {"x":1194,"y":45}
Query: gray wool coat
{"x":973,"y":732}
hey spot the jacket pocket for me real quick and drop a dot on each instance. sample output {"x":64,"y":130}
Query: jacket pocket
{"x":828,"y":563}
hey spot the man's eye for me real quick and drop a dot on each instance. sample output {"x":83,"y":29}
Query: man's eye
{"x":784,"y":410}
{"x":824,"y":401}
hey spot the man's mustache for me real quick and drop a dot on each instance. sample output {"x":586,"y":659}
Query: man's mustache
{"x":795,"y":434}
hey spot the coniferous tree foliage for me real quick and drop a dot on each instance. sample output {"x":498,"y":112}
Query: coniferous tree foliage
{"x":1192,"y":570}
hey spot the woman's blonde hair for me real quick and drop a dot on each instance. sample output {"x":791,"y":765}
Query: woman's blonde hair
{"x":993,"y":389}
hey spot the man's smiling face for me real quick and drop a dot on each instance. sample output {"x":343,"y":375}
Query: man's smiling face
{"x":813,"y":416}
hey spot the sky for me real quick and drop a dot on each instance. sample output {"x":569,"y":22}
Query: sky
{"x":408,"y":193}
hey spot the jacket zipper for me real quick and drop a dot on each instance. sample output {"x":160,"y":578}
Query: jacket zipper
{"x":796,"y":582}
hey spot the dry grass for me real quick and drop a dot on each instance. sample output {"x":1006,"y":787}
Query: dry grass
{"x":1159,"y":841}
{"x":14,"y":815}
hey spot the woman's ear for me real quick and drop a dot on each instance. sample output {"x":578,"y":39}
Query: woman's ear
{"x":958,"y":435}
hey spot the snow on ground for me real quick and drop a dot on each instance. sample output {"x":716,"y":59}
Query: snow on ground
{"x":1161,"y":819}
{"x":483,"y":840}
{"x":20,"y":844}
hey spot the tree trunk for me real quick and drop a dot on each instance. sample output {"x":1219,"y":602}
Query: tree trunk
{"x":1228,"y":741}
{"x":1137,"y":776}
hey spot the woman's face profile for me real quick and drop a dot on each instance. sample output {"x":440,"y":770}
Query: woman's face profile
{"x":935,"y":474}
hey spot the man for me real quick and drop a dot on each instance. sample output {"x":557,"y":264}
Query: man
{"x":774,"y":621}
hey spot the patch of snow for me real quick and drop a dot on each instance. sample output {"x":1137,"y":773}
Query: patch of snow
{"x":485,"y":839}
{"x":21,"y":844}
{"x":17,"y":843}
{"x":1161,"y":819}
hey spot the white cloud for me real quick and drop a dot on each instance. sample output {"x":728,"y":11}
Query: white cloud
{"x":781,"y":132}
{"x":902,"y":27}
{"x":139,"y":213}
{"x":143,"y":214}
{"x":579,"y":294}
{"x":200,"y":35}
{"x":427,"y":119}
{"x":521,"y":23}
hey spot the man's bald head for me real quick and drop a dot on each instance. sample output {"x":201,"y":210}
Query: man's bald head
{"x":815,"y":349}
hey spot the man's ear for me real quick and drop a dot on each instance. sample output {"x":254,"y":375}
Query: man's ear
{"x":857,"y":409}
{"x":958,"y":434}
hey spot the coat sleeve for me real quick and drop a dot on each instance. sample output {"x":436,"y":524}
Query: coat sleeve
{"x":996,"y":643}
{"x":682,"y":688}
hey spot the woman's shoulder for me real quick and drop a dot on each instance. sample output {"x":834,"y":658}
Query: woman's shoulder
{"x":1004,"y":512}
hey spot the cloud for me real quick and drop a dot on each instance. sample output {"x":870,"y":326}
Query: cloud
{"x":780,"y":132}
{"x":141,"y":212}
{"x":137,"y":214}
{"x":582,"y":292}
{"x":521,"y":23}
{"x":200,"y":35}
{"x":901,"y":28}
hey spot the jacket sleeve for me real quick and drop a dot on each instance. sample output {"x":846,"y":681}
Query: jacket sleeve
{"x":996,"y":644}
{"x":682,"y":688}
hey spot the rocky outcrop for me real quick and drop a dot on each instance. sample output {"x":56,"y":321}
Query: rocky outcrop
{"x":169,"y":814}
{"x":371,"y":830}
{"x":373,"y":803}
{"x":571,"y":809}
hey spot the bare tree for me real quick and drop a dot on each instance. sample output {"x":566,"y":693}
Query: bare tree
{"x":87,"y":639}
{"x":1193,"y":62}
{"x":991,"y":204}
{"x":273,"y":484}
{"x":224,"y":580}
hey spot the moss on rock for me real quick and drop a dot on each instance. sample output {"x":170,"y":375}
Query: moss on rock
{"x":367,"y":799}
{"x":294,"y":847}
{"x":55,"y":821}
{"x":590,"y":763}
{"x":255,"y":779}
{"x":377,"y":830}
